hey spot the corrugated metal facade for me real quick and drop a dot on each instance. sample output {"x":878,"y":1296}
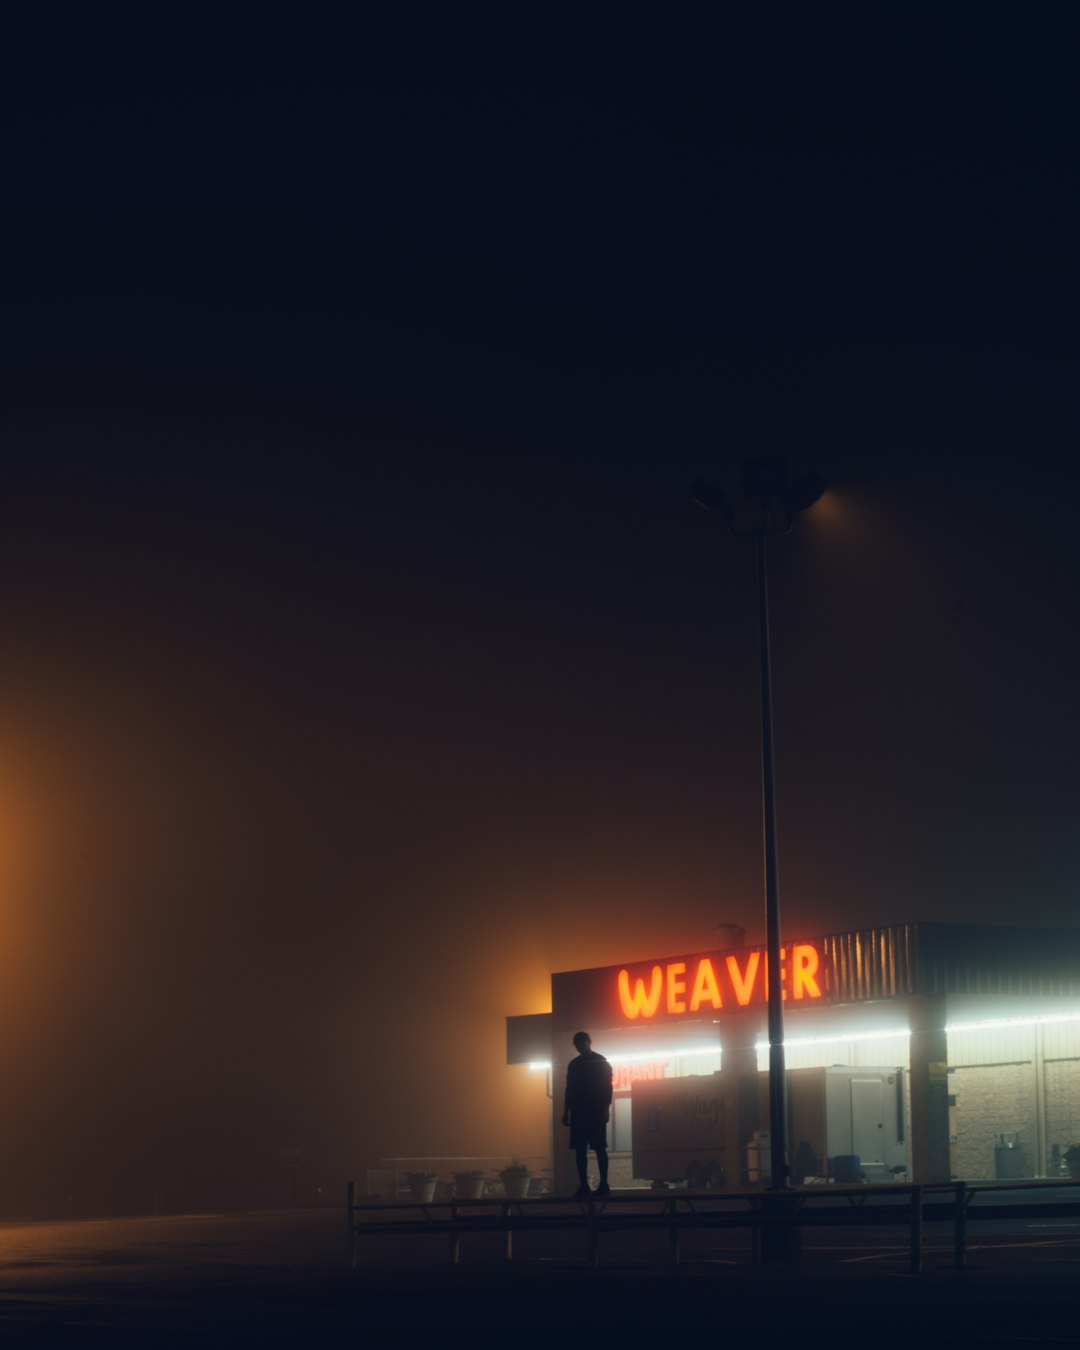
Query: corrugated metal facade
{"x":931,"y":958}
{"x":869,"y":964}
{"x":968,"y":959}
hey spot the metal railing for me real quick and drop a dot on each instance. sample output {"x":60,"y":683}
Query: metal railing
{"x":778,"y":1214}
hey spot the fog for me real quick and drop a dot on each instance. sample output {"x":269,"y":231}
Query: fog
{"x":364,"y":659}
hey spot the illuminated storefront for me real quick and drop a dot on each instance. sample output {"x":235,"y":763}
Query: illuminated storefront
{"x":978,"y":1027}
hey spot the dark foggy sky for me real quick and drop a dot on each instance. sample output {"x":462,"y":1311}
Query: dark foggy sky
{"x":364,"y":658}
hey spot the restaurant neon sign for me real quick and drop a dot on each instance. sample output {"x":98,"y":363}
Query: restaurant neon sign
{"x":702,"y":983}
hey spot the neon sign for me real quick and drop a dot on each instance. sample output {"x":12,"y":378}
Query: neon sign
{"x":706,"y":983}
{"x":624,"y":1076}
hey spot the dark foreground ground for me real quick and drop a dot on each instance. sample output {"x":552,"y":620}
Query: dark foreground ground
{"x":282,"y":1278}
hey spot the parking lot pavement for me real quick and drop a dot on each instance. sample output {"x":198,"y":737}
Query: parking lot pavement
{"x":282,"y":1278}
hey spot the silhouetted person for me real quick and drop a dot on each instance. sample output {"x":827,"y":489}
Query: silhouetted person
{"x":587,"y":1109}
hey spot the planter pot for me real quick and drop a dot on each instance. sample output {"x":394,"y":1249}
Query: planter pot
{"x":424,"y":1191}
{"x":516,"y":1185}
{"x":469,"y":1188}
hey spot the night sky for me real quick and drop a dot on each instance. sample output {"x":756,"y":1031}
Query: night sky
{"x":364,"y":658}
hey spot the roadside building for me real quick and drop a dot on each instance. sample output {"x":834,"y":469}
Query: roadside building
{"x":966,"y":1039}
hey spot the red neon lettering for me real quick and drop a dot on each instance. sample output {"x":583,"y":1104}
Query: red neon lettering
{"x":705,"y":989}
{"x":676,"y":987}
{"x":624,"y":1076}
{"x":639,"y":1002}
{"x":804,"y":967}
{"x":670,"y":987}
{"x":743,"y":984}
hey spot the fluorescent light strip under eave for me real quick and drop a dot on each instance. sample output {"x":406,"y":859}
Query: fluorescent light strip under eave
{"x":986,"y":1024}
{"x":989,"y":1023}
{"x":894,"y":1033}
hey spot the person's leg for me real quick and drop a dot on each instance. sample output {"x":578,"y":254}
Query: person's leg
{"x":602,"y":1164}
{"x":582,"y":1158}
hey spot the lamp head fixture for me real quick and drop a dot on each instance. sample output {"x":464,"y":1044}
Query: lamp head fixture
{"x":804,"y":492}
{"x":765,"y":480}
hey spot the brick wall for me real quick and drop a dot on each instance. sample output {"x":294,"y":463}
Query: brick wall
{"x":991,"y":1100}
{"x":1062,"y":1103}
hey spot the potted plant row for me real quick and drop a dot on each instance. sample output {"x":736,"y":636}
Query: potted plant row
{"x":422,"y":1185}
{"x":515,"y":1177}
{"x":469,"y":1185}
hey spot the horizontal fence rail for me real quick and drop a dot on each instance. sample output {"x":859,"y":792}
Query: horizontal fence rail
{"x":777,"y":1215}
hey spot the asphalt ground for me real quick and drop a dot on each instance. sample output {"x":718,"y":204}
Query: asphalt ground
{"x":283,"y":1278}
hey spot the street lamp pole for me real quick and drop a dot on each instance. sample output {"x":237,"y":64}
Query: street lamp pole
{"x":778,"y":1158}
{"x":766,"y":481}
